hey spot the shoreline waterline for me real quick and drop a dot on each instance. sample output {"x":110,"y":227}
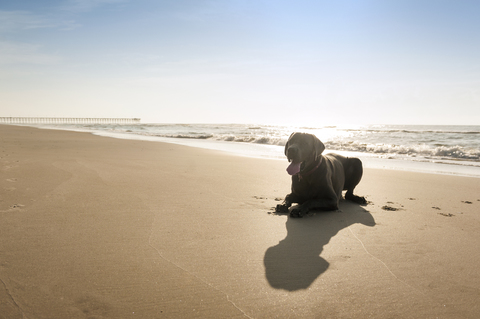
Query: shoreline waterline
{"x":268,"y":151}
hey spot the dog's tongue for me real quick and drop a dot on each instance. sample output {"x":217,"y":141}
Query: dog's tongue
{"x":293,"y":168}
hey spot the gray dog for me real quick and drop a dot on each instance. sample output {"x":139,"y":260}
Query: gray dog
{"x":318,"y":180}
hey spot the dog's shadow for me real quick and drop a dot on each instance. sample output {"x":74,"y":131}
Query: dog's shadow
{"x":295,"y":262}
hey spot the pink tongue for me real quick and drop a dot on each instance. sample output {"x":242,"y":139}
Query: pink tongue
{"x":293,"y":168}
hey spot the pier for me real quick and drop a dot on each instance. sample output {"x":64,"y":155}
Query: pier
{"x":67,"y":120}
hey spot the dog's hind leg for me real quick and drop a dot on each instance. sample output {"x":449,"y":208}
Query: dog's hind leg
{"x":353,"y":174}
{"x":354,"y":198}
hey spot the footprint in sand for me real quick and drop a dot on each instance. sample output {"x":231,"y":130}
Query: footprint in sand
{"x":466,"y":202}
{"x":446,"y":215}
{"x":93,"y":307}
{"x":391,"y":208}
{"x":16,"y":206}
{"x":8,"y":167}
{"x":278,"y":199}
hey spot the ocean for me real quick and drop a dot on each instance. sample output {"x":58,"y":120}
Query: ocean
{"x":423,"y":148}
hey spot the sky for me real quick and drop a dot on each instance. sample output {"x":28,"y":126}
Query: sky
{"x":296,"y":62}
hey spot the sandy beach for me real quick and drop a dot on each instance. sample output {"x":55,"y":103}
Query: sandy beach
{"x":97,"y":227}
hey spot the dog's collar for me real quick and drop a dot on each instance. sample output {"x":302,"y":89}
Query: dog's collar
{"x":303,"y":175}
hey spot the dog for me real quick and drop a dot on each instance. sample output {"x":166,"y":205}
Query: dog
{"x":318,"y":180}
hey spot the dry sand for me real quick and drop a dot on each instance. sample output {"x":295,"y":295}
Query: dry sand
{"x":95,"y":227}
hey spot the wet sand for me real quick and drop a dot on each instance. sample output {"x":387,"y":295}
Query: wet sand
{"x":96,"y":227}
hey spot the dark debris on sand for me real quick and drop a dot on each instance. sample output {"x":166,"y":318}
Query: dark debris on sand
{"x":446,"y":215}
{"x":390,"y":208}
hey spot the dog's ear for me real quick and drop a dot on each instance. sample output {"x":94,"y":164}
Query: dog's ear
{"x":318,"y":146}
{"x":286,"y":144}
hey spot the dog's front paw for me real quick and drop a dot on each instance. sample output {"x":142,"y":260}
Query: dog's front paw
{"x":296,"y":213}
{"x":281,"y":209}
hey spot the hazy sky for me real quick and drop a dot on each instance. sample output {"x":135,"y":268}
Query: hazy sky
{"x":240,"y":61}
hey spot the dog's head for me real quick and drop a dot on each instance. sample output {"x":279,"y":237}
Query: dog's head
{"x":301,"y":148}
